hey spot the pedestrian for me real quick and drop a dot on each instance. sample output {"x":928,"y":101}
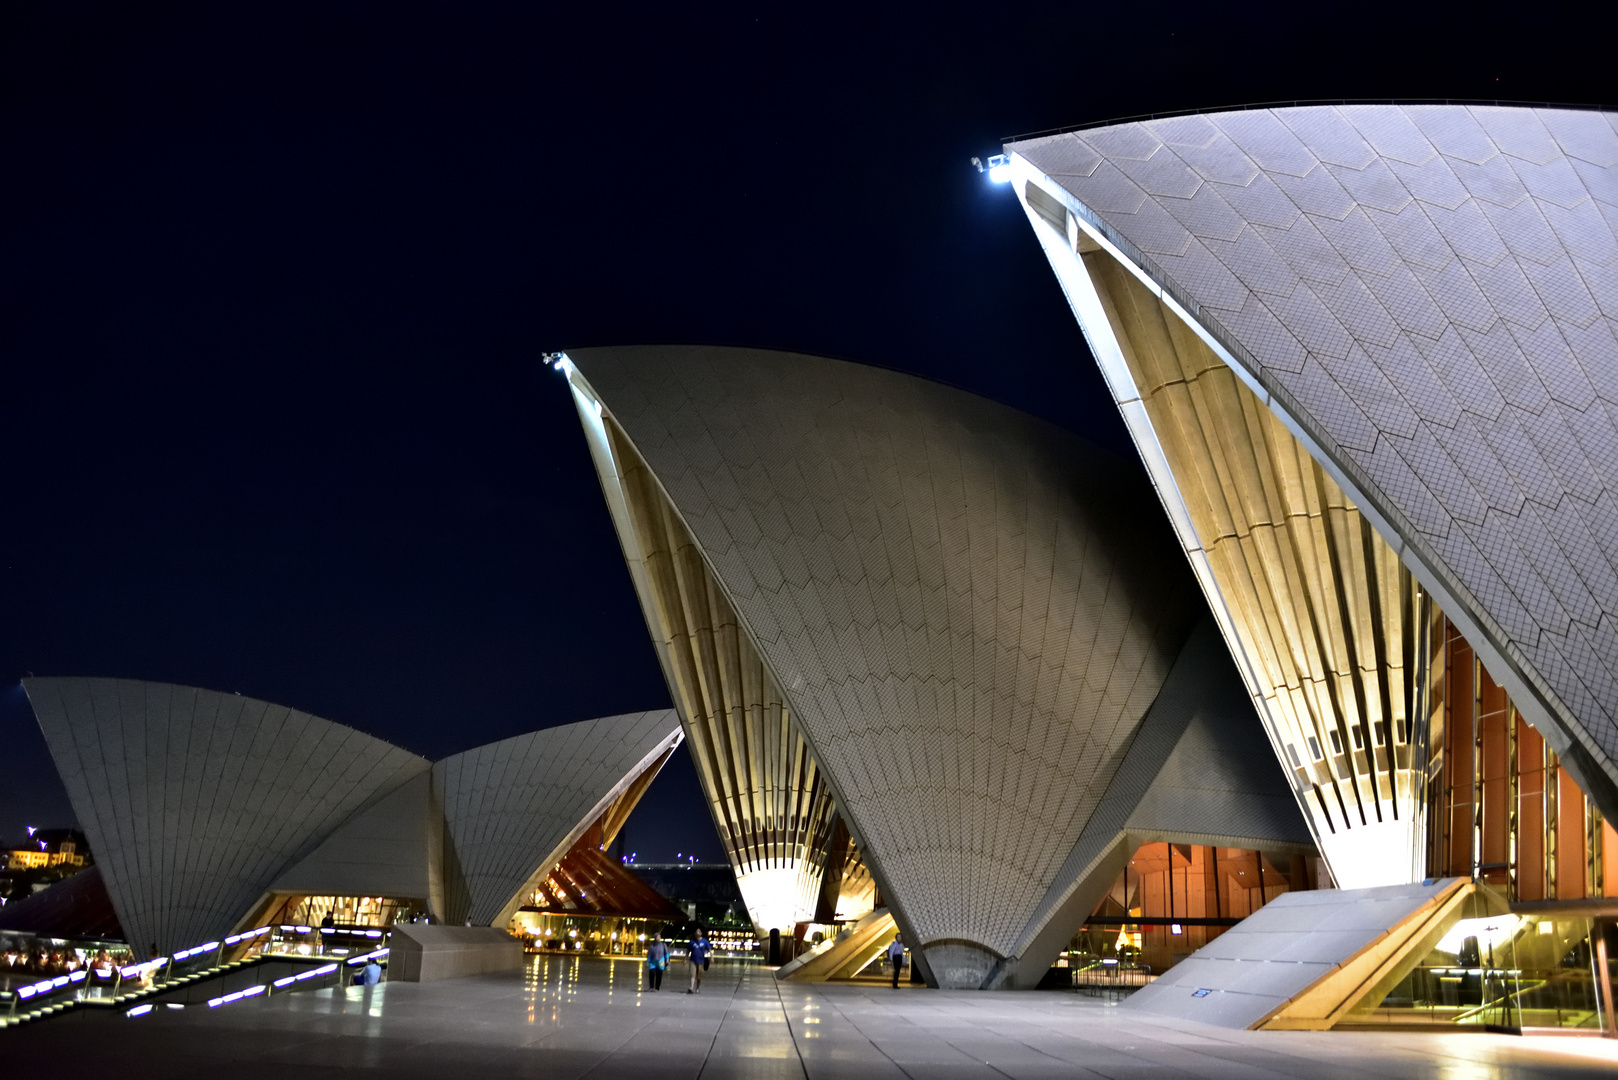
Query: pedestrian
{"x":373,"y":972}
{"x":896,"y":957}
{"x":657,"y":959}
{"x":700,"y":948}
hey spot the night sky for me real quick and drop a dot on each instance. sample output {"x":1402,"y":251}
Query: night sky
{"x":275,"y":281}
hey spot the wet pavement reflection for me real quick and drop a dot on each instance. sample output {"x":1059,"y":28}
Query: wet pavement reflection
{"x":570,"y":1017}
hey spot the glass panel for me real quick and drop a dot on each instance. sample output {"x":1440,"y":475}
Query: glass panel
{"x":1170,"y":901}
{"x":1505,"y":972}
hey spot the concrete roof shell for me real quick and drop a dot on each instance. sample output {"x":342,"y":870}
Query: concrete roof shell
{"x":1429,"y":293}
{"x":515,"y":806}
{"x":194,"y":801}
{"x":969,"y":609}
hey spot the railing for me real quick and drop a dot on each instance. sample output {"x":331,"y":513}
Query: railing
{"x":1108,"y":977}
{"x":114,"y":986}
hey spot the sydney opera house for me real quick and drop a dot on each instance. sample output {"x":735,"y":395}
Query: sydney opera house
{"x":212,"y":813}
{"x":1349,"y":639}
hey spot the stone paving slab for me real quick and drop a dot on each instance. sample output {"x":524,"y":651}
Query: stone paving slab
{"x":577,"y":1019}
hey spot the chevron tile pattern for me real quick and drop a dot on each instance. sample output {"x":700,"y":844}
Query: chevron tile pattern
{"x":1431,"y":293}
{"x":195,"y":801}
{"x":514,"y":807}
{"x":968,"y":610}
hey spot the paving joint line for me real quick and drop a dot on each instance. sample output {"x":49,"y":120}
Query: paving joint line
{"x":734,"y":989}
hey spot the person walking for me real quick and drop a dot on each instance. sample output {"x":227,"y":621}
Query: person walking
{"x":896,"y":957}
{"x":657,"y":959}
{"x":700,"y":948}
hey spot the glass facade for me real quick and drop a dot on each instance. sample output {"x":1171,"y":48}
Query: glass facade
{"x":587,"y":935}
{"x":1504,"y":971}
{"x":1172,"y":899}
{"x":1499,"y":807}
{"x":1534,"y":947}
{"x":344,"y":910}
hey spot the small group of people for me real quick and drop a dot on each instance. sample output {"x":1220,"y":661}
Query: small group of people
{"x":21,"y":960}
{"x":699,"y":953}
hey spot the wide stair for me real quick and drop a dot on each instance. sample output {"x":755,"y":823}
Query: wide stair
{"x":267,"y":960}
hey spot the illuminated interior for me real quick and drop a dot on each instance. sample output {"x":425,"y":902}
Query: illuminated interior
{"x":1502,"y":810}
{"x":379,"y":911}
{"x":1172,"y":899}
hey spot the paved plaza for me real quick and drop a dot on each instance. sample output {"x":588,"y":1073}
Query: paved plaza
{"x":589,"y":1018}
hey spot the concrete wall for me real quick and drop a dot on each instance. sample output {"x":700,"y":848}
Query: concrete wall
{"x":428,"y":953}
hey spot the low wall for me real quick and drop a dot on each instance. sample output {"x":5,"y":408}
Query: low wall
{"x":420,"y":953}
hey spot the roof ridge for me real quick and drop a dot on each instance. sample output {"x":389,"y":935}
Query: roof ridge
{"x":1257,"y":105}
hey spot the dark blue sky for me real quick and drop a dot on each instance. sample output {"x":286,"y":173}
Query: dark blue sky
{"x":274,"y":282}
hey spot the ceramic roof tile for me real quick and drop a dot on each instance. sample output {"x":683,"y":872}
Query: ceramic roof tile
{"x":1037,"y":600}
{"x":1497,"y":285}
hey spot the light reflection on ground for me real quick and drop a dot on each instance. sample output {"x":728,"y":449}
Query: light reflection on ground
{"x":570,"y":1017}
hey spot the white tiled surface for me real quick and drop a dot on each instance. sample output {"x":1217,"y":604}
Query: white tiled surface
{"x":383,"y":850}
{"x":195,"y":801}
{"x":1432,"y":291}
{"x":566,"y":1020}
{"x":511,"y":805}
{"x":968,"y":609}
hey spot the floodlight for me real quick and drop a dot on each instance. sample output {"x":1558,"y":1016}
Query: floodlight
{"x":1000,"y":169}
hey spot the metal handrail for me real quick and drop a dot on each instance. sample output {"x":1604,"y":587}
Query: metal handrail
{"x":131,"y":982}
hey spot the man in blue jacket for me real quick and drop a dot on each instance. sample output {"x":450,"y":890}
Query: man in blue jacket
{"x":700,"y":948}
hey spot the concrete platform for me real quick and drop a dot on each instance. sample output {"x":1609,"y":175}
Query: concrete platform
{"x":424,"y":953}
{"x":565,"y":1018}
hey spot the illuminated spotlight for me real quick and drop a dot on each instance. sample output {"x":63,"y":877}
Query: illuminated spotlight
{"x":998,"y":168}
